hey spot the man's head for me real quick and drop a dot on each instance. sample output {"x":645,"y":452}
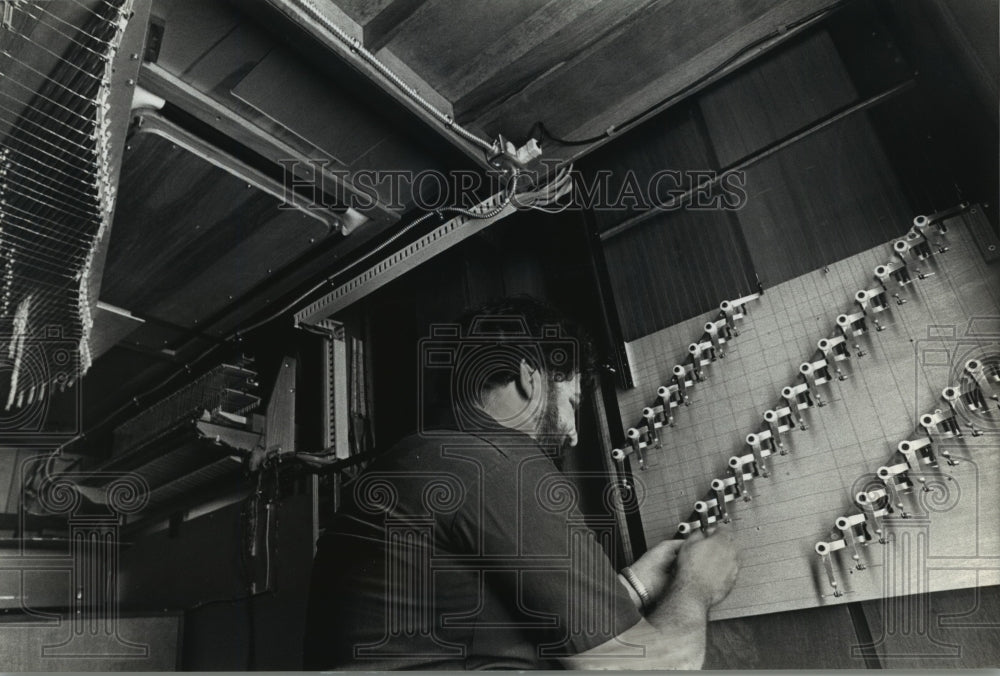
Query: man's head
{"x":524,"y":366}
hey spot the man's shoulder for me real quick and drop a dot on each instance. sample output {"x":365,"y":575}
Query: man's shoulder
{"x":429,"y":448}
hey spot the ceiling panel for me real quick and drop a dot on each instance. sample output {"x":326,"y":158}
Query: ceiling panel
{"x":279,"y":88}
{"x":363,"y":11}
{"x":552,"y":37}
{"x":442,"y":36}
{"x":662,"y":49}
{"x":192,"y":237}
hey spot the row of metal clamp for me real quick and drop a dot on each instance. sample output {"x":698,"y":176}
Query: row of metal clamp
{"x":831,"y":352}
{"x":706,"y":350}
{"x":906,"y":469}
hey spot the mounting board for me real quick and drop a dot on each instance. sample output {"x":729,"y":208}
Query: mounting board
{"x":950,"y":536}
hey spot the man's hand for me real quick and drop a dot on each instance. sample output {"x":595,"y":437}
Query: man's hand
{"x":652,"y":567}
{"x":707,"y":565}
{"x":673,"y":631}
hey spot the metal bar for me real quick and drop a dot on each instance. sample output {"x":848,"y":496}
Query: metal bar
{"x":209,"y":111}
{"x":760,"y":155}
{"x":686,"y":93}
{"x":392,"y":267}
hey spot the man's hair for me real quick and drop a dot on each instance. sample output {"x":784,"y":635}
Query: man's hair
{"x":502,"y":332}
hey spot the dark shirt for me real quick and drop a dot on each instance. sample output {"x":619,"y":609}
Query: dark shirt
{"x":465,"y":551}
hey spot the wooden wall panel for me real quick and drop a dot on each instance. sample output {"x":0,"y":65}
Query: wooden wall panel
{"x":953,"y":49}
{"x":437,"y":40}
{"x":673,"y":141}
{"x":676,"y":263}
{"x":674,"y":266}
{"x":823,"y":199}
{"x":664,"y":47}
{"x":780,"y":94}
{"x":527,"y":52}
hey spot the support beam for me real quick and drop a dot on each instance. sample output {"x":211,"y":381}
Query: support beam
{"x":300,"y":14}
{"x":209,"y":111}
{"x":385,"y":25}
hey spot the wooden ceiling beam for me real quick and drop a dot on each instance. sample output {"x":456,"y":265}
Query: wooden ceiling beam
{"x":384,"y":26}
{"x":237,"y":127}
{"x":702,"y":64}
{"x":304,"y":21}
{"x":537,"y":48}
{"x":653,"y":56}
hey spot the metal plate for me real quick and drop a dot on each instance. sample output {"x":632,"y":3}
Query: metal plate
{"x":195,"y":230}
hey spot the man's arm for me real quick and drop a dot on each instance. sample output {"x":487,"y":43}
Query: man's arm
{"x":672,"y":634}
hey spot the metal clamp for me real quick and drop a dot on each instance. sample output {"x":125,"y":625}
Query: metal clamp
{"x":897,"y":271}
{"x":856,"y":534}
{"x":682,"y":374}
{"x":982,"y":386}
{"x":815,"y":374}
{"x":670,"y":398}
{"x":835,"y":350}
{"x":797,"y":397}
{"x":896,"y":479}
{"x":824,"y":549}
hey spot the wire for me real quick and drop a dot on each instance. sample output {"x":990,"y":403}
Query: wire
{"x":616,"y":128}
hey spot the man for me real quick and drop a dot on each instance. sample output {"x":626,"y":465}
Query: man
{"x":462,"y":546}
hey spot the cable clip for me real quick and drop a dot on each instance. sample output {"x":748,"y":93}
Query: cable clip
{"x":7,"y":22}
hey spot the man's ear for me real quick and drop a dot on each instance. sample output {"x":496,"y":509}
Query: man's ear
{"x":527,"y":379}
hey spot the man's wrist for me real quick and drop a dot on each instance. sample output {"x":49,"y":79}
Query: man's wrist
{"x":636,"y":585}
{"x":632,"y":594}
